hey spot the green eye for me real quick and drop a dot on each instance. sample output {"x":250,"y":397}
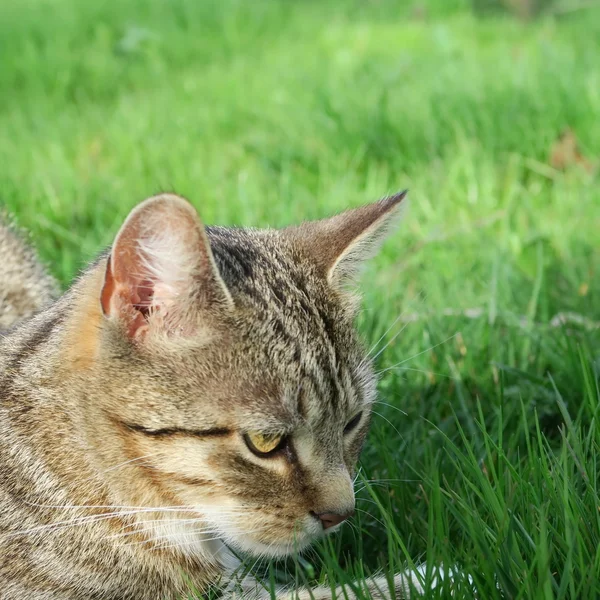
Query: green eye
{"x":264,"y":444}
{"x":352,"y":423}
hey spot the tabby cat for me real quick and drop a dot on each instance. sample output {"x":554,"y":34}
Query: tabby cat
{"x":197,"y":394}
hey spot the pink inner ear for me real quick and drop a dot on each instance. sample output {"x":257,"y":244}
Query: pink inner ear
{"x":141,"y":300}
{"x":108,"y":289}
{"x":129,"y":300}
{"x":142,"y":297}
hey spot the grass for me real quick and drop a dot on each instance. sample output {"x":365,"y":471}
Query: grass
{"x":484,"y":455}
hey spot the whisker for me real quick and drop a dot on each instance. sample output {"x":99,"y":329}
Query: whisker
{"x":158,"y":545}
{"x":174,"y":508}
{"x":114,"y":506}
{"x":149,"y":525}
{"x":424,"y":371}
{"x":405,"y":414}
{"x":179,"y":543}
{"x":382,"y":481}
{"x":93,"y":519}
{"x":389,"y":342}
{"x":391,"y":424}
{"x":398,"y":318}
{"x":371,"y":515}
{"x":127,"y":462}
{"x":419,"y":354}
{"x":61,"y":525}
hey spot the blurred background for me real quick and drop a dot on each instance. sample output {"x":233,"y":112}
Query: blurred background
{"x":273,"y":111}
{"x":268,"y":112}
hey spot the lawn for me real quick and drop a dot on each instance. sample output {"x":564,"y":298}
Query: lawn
{"x":485,"y":451}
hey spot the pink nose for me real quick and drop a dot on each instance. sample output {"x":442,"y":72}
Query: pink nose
{"x":332,"y":519}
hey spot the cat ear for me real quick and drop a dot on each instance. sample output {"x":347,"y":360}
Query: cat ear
{"x":161,"y":269}
{"x":340,"y":245}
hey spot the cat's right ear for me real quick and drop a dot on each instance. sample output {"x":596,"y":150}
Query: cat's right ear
{"x":161,"y":272}
{"x":339,"y":246}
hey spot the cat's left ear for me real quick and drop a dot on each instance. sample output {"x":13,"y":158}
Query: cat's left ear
{"x":340,"y":245}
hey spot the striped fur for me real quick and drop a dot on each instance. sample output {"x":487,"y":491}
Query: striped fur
{"x":123,"y":468}
{"x":26,"y":286}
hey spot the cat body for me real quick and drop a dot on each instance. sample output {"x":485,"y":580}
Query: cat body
{"x":148,"y":414}
{"x":26,"y":286}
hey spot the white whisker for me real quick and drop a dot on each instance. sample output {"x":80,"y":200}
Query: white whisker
{"x":383,"y":481}
{"x":398,"y":318}
{"x":389,"y":342}
{"x":424,"y":371}
{"x":391,"y":424}
{"x":405,"y":414}
{"x":418,"y":354}
{"x":372,"y":517}
{"x":133,"y":460}
{"x":114,"y":514}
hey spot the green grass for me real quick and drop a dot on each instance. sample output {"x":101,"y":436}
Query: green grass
{"x":485,"y":454}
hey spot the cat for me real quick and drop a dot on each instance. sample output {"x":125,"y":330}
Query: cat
{"x":197,"y":393}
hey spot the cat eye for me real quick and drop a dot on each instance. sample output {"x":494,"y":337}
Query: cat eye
{"x":264,"y":444}
{"x":352,"y":423}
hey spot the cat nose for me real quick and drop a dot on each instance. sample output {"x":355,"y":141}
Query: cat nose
{"x":332,"y":519}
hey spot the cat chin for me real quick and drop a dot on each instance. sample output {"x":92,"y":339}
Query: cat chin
{"x":307,"y":531}
{"x":271,"y":550}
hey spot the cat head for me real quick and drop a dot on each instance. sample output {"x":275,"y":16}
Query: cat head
{"x":229,"y":379}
